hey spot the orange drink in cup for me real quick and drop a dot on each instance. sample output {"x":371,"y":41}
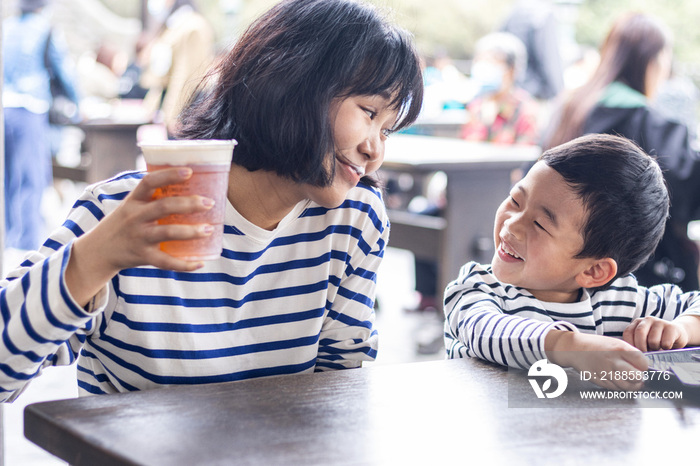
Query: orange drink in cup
{"x":210,"y":161}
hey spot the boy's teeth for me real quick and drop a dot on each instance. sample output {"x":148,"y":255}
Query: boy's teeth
{"x":360,"y":170}
{"x":509,"y":252}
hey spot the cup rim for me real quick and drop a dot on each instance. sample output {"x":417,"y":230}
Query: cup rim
{"x":188,"y":151}
{"x":178,"y":143}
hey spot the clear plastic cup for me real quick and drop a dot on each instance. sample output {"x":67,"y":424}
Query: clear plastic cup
{"x":210,"y":161}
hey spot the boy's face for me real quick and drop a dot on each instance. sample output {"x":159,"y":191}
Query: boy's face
{"x":538,"y":234}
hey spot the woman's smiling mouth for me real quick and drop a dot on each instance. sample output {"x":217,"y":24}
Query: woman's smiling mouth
{"x":357,"y":169}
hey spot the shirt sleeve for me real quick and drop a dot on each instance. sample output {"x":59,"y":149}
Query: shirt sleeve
{"x":668,"y":302}
{"x":348,"y":336}
{"x":42,"y":325}
{"x":478,"y":323}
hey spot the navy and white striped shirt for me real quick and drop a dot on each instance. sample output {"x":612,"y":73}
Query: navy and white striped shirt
{"x":296,"y":299}
{"x":507,"y":325}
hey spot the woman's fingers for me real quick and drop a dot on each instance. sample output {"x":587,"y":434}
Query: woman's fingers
{"x":177,"y":205}
{"x":157,"y":179}
{"x":177,"y":232}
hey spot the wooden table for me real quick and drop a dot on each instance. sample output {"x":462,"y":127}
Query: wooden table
{"x":438,"y":412}
{"x":478,"y":180}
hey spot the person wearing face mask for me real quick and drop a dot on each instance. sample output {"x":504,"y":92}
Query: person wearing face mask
{"x":501,"y":112}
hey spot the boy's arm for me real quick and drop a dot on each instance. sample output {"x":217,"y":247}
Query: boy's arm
{"x":653,"y":334}
{"x":598,"y":353}
{"x":675,"y":322}
{"x":691,"y":324}
{"x":478,"y":324}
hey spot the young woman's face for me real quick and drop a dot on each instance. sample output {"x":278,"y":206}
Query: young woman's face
{"x":537,"y":235}
{"x":361,"y":125}
{"x":657,"y":72}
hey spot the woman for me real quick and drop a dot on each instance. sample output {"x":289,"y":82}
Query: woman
{"x":310,"y":92}
{"x":635,"y":60}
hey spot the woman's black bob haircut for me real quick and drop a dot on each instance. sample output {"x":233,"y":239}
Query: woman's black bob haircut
{"x":624,"y":194}
{"x":273,"y":91}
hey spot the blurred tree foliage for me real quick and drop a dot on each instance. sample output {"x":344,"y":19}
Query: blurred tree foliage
{"x":682,"y":16}
{"x":126,"y":8}
{"x":453,"y":26}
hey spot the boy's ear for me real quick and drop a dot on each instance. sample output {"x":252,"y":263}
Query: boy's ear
{"x":597,"y":274}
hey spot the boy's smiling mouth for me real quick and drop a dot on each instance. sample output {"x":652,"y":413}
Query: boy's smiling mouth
{"x":507,"y":253}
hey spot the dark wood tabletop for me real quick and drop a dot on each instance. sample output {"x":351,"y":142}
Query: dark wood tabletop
{"x":456,"y":412}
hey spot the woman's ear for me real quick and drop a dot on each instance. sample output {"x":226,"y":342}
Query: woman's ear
{"x":598,"y":273}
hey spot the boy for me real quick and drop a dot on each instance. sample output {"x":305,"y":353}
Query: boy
{"x":587,"y":215}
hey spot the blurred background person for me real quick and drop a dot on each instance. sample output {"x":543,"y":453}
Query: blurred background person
{"x":679,"y":98}
{"x":502,"y":112}
{"x":177,"y":58}
{"x":32,"y":54}
{"x":535,"y":23}
{"x":635,"y":60}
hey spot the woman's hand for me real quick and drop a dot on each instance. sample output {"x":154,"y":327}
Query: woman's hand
{"x":130,"y":235}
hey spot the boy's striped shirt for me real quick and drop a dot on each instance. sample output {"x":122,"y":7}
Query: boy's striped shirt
{"x":507,"y":325}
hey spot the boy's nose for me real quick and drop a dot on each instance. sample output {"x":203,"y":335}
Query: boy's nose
{"x":514,"y":225}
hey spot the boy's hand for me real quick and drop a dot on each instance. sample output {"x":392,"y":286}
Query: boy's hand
{"x":598,"y":354}
{"x":652,"y":334}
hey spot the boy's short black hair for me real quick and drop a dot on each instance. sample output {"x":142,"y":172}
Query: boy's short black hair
{"x":624,"y":194}
{"x":273,"y":91}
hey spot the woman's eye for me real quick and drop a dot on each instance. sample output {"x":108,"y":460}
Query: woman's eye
{"x":537,"y":224}
{"x":513,"y":201}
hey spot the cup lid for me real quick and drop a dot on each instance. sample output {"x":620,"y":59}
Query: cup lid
{"x":184,"y":151}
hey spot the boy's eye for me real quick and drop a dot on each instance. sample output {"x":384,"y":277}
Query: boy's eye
{"x":387,"y":132}
{"x":538,"y":225}
{"x":370,"y":113}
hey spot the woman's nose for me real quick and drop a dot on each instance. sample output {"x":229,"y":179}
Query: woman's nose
{"x":373,"y":148}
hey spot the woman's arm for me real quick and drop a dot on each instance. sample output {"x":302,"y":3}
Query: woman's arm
{"x":348,"y":336}
{"x":130,"y":236}
{"x":49,"y":303}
